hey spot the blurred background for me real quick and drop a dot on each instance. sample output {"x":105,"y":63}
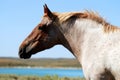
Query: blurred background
{"x":19,"y":17}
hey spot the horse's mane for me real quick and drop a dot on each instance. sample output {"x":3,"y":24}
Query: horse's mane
{"x":63,"y":17}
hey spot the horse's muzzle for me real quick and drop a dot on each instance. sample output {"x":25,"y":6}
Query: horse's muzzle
{"x":23,"y":54}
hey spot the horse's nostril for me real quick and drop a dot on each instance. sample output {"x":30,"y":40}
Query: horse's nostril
{"x":21,"y":50}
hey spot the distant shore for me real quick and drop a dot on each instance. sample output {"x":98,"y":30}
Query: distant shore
{"x":40,"y":67}
{"x":38,"y":62}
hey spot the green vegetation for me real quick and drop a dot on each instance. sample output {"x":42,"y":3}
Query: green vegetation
{"x":14,"y":62}
{"x":16,"y":77}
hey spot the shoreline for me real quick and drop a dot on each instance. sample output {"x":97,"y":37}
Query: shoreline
{"x":40,"y":67}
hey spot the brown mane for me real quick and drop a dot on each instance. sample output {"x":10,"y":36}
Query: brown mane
{"x":63,"y":17}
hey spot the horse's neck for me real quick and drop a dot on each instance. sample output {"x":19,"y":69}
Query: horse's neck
{"x":79,"y":33}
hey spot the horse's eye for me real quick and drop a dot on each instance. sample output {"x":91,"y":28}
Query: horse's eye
{"x":43,"y":28}
{"x":40,"y":28}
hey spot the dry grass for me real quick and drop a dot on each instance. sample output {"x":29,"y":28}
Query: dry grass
{"x":13,"y":62}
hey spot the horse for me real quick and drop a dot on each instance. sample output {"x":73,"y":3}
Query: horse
{"x":90,"y":38}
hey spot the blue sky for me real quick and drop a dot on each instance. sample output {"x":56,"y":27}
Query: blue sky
{"x":19,"y":17}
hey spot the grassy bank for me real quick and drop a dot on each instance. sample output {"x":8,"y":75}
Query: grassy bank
{"x":15,"y":77}
{"x":14,"y":62}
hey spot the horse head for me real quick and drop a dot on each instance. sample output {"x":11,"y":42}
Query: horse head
{"x":43,"y":36}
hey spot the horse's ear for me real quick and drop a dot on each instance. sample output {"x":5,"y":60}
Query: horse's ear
{"x":48,"y":12}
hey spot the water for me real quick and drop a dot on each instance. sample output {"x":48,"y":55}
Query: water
{"x":61,"y":72}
